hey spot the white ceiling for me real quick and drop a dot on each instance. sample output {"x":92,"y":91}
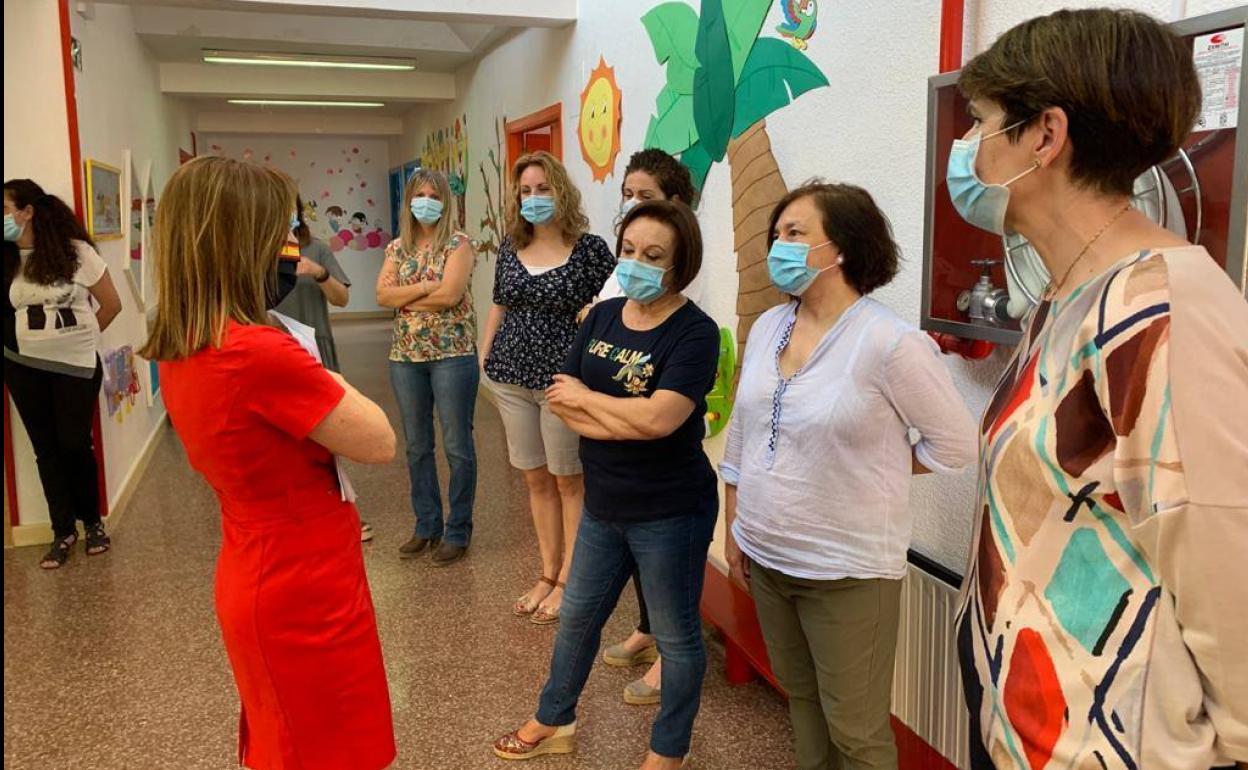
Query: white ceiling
{"x":440,"y":35}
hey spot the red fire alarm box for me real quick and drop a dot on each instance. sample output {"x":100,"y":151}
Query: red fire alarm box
{"x":1201,"y":193}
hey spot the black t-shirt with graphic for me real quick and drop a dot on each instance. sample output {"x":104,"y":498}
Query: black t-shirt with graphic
{"x":670,"y":476}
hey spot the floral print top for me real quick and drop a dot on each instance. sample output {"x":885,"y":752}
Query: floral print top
{"x":431,"y":335}
{"x":540,"y":323}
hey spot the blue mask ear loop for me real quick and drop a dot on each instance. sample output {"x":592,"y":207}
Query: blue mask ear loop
{"x":1035,"y":164}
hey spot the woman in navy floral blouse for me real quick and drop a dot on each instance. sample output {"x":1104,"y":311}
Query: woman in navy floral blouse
{"x":549,"y":267}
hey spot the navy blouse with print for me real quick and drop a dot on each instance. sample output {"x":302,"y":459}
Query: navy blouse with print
{"x":540,"y":324}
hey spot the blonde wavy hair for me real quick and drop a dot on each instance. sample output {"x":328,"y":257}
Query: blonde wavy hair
{"x":568,"y":211}
{"x":220,"y":226}
{"x":409,"y":227}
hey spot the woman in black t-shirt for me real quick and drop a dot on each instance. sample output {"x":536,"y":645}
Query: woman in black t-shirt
{"x":634,"y":388}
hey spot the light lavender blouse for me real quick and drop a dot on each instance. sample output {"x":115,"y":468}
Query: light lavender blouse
{"x":822,"y":460}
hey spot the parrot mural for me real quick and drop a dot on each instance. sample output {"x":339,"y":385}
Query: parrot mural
{"x":799,"y":21}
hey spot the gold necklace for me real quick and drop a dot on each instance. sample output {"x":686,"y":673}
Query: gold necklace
{"x":1054,"y":288}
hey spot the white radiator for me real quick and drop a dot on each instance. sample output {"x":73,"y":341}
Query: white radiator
{"x":927,"y":688}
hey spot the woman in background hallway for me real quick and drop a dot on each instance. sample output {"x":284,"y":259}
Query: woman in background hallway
{"x":818,"y":468}
{"x":634,"y":387}
{"x":52,"y":368}
{"x":322,"y":282}
{"x":549,"y":267}
{"x":261,"y":420}
{"x":651,"y":175}
{"x":427,"y":279}
{"x":1108,"y":583}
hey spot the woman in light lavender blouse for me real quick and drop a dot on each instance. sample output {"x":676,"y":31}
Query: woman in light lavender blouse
{"x":818,"y":469}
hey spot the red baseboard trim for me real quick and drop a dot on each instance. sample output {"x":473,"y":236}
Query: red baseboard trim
{"x":731,"y":610}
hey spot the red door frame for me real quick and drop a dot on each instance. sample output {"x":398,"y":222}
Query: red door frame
{"x":516,"y":129}
{"x":75,"y":163}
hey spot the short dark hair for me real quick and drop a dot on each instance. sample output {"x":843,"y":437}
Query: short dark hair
{"x":856,"y":225}
{"x":1126,"y":83}
{"x":672,"y":175}
{"x":687,"y":257}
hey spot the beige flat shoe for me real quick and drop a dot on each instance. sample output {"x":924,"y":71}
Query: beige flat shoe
{"x":618,"y":655}
{"x":639,"y":693}
{"x":512,"y":746}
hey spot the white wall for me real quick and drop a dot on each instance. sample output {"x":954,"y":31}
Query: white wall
{"x":36,"y":146}
{"x":344,"y":171}
{"x":868,"y":127}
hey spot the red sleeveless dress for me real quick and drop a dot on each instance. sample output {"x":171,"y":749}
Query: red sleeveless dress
{"x":292,"y":599}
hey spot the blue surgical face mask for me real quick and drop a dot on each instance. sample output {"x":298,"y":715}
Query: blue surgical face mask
{"x":294,"y":222}
{"x":12,"y":230}
{"x":628,"y":205}
{"x":639,"y":281}
{"x":537,"y":209}
{"x":786,"y":263}
{"x":426,"y":210}
{"x":981,"y":204}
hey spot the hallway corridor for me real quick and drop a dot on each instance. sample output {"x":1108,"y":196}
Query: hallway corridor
{"x":117,"y":662}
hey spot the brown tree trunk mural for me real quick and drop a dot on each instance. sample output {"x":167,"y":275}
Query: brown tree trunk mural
{"x":757,"y":187}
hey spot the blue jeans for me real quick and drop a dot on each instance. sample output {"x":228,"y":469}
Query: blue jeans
{"x":450,"y":385}
{"x":670,"y":555}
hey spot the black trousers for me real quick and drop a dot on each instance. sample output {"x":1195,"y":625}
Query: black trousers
{"x":643,"y":625}
{"x":58,"y":410}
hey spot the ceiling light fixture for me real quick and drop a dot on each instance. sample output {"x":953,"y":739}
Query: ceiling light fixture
{"x":318,"y":61}
{"x":303,"y":103}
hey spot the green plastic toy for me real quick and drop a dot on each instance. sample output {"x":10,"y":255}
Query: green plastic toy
{"x":719,"y":400}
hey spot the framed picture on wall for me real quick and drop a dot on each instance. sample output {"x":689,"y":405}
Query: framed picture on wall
{"x":134,"y":229}
{"x":149,"y":235}
{"x":104,"y":212}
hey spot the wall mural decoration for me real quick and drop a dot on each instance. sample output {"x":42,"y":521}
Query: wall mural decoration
{"x":121,"y":382}
{"x":340,"y":188}
{"x":599,"y":122}
{"x":446,"y":150}
{"x":723,"y":80}
{"x":104,"y":211}
{"x":800,"y":18}
{"x":492,"y":227}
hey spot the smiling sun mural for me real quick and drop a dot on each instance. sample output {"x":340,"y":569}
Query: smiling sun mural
{"x":599,"y":128}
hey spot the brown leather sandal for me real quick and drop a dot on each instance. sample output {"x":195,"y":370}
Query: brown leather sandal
{"x":512,"y":746}
{"x":525,"y":605}
{"x":544,"y":616}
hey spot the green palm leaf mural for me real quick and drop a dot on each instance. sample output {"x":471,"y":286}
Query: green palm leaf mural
{"x":722,"y":81}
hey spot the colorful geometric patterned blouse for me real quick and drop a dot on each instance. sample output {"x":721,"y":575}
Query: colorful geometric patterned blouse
{"x":431,"y":335}
{"x":1104,"y":621}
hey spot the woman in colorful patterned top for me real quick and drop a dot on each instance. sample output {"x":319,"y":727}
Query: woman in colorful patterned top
{"x":549,"y":267}
{"x":427,"y":278}
{"x":1103,"y":619}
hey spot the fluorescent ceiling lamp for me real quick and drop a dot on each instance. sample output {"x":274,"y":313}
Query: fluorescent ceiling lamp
{"x":303,"y":103}
{"x":319,"y":61}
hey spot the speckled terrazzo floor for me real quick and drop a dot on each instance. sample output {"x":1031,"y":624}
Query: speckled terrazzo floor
{"x":116,"y":662}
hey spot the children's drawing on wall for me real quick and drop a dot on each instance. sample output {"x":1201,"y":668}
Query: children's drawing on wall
{"x":492,"y":182}
{"x":722,"y":81}
{"x":800,"y":18}
{"x":446,"y":150}
{"x":599,"y":122}
{"x":104,"y":196}
{"x":121,"y":382}
{"x":357,"y":233}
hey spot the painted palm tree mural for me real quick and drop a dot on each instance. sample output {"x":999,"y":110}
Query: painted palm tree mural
{"x":723,"y":80}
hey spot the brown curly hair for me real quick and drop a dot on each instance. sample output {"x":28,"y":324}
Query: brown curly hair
{"x":568,"y":211}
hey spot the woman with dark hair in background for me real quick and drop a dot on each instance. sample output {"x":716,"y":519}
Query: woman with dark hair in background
{"x":322,"y":282}
{"x":52,"y":367}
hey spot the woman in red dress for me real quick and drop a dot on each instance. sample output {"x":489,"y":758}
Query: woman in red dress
{"x":261,"y":420}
